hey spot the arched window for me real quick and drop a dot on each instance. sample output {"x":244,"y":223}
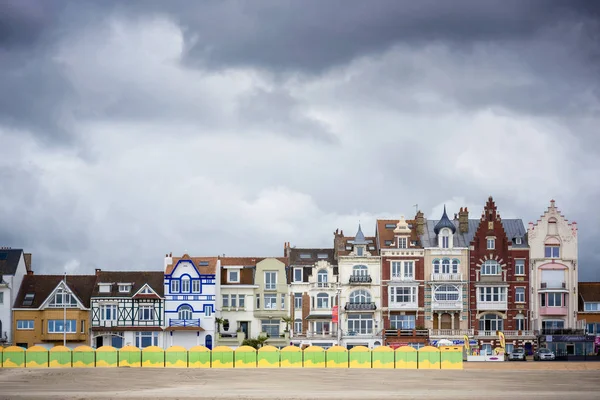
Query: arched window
{"x":490,"y":267}
{"x":360,"y":297}
{"x":360,"y":270}
{"x":436,"y":266}
{"x":455,"y":264}
{"x":185,"y":312}
{"x":520,"y":322}
{"x":445,"y":266}
{"x":491,"y":322}
{"x":185,"y":284}
{"x":445,"y":238}
{"x":322,"y":300}
{"x":446,"y":293}
{"x":322,"y":278}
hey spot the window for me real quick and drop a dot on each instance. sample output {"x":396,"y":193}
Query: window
{"x":233,"y":276}
{"x":185,"y":285}
{"x":298,"y":326}
{"x":520,"y":267}
{"x":283,"y":301}
{"x":28,"y":299}
{"x":520,"y":322}
{"x":360,"y":297}
{"x":58,"y":326}
{"x":108,"y":312}
{"x":185,"y":312}
{"x":492,"y":293}
{"x":402,"y":242}
{"x":241,"y":300}
{"x":322,"y":256}
{"x":408,"y":269}
{"x":233,"y":300}
{"x":360,"y":324}
{"x":271,"y":327}
{"x":520,"y":295}
{"x":174,"y":286}
{"x":360,"y":250}
{"x":257,"y":302}
{"x":146,"y":339}
{"x":207,"y":311}
{"x":388,"y":242}
{"x":491,"y":322}
{"x":322,"y":300}
{"x":518,"y":240}
{"x":297,"y":274}
{"x":360,"y":270}
{"x":322,"y":278}
{"x":402,"y":321}
{"x":445,"y":242}
{"x":146,"y":290}
{"x":225,"y":300}
{"x":554,"y":299}
{"x":436,"y":266}
{"x":83,"y":326}
{"x":270,"y":280}
{"x":403,"y":294}
{"x":490,"y":267}
{"x":446,"y":293}
{"x":403,"y":269}
{"x":390,"y":226}
{"x":455,"y":264}
{"x":196,"y":286}
{"x":552,"y":251}
{"x":203,"y":264}
{"x":305,"y":256}
{"x":270,"y":301}
{"x":322,"y":327}
{"x":553,"y":324}
{"x":591,"y":306}
{"x":63,"y":298}
{"x":298,"y":301}
{"x":396,"y":269}
{"x":491,"y":243}
{"x":104,"y":287}
{"x":445,"y":266}
{"x":24,"y":324}
{"x":146,"y":313}
{"x":124,"y":288}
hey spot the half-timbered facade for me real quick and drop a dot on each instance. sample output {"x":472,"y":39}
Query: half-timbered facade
{"x":190,"y":291}
{"x":127,"y":309}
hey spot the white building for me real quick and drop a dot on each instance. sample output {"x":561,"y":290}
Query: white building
{"x":14,"y":264}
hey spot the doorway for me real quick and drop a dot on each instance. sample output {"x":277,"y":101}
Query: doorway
{"x":446,"y":321}
{"x":244,"y":328}
{"x":570,"y":349}
{"x":99,"y":341}
{"x":208,"y":342}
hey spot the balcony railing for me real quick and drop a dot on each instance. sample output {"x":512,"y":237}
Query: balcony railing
{"x":487,"y":333}
{"x":403,"y":306}
{"x":406,"y":332}
{"x":451,"y":332}
{"x":322,"y":285}
{"x":446,"y":277}
{"x":518,"y":333}
{"x":234,"y":308}
{"x":554,"y":311}
{"x":184,"y":322}
{"x":553,"y":285}
{"x":446,"y":304}
{"x":360,"y":279}
{"x":403,"y":277}
{"x":360,"y":306}
{"x":362,"y":332}
{"x":492,"y":305}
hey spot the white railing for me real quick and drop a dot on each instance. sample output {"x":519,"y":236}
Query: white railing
{"x":322,"y":285}
{"x":402,"y":277}
{"x":487,"y":333}
{"x":492,"y":305}
{"x":446,"y":277}
{"x":451,"y":332}
{"x":518,"y":333}
{"x":446,"y":304}
{"x":403,"y":306}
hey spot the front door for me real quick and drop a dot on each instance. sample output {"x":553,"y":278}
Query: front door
{"x":528,"y":349}
{"x":244,"y":328}
{"x":570,"y":349}
{"x":99,"y":342}
{"x":446,"y":321}
{"x":208,"y":342}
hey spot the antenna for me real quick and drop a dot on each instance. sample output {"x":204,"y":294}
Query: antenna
{"x":416,"y":206}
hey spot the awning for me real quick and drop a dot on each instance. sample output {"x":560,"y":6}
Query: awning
{"x":319,"y":316}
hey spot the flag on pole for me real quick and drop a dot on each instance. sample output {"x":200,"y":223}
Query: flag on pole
{"x":467,"y":345}
{"x":502,"y":340}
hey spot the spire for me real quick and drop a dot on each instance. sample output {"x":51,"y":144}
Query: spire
{"x":360,"y":236}
{"x":444,"y":223}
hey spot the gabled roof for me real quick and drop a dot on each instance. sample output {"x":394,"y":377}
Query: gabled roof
{"x":137,"y":279}
{"x":309,"y":256}
{"x":42,"y":286}
{"x":204,"y":265}
{"x":247,"y":261}
{"x":386,"y":236}
{"x":444,"y":222}
{"x":588,"y":292}
{"x":9,"y":261}
{"x":513,"y":227}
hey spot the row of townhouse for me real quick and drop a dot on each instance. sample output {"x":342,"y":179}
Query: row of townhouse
{"x":414,"y":282}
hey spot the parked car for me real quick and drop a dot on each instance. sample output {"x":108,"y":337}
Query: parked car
{"x":517,"y":355}
{"x":543,"y":354}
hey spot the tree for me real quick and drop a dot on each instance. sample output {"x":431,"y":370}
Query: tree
{"x":288,"y":321}
{"x":256,"y":343}
{"x":219,"y":321}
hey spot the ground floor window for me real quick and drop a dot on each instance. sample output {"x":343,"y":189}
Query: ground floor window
{"x":322,"y":327}
{"x":298,"y":326}
{"x":360,"y":324}
{"x":486,"y":348}
{"x":402,"y":321}
{"x":271,"y":327}
{"x":509,"y":347}
{"x":58,"y":326}
{"x":146,"y":339}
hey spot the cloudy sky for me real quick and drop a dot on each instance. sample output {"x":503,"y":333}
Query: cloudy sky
{"x":228,"y":127}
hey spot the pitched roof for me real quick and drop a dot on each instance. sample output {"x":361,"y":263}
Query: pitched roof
{"x":348,"y":242}
{"x":513,"y":227}
{"x":137,"y":279}
{"x":444,"y":222}
{"x":247,"y":261}
{"x":385,"y":232}
{"x":9,"y":261}
{"x":205,"y":265}
{"x":41,"y":286}
{"x":309,"y":256}
{"x":589,"y":291}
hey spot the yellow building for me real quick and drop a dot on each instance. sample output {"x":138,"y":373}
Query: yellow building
{"x":51,"y":308}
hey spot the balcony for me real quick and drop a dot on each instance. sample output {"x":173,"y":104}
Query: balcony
{"x":322,"y":285}
{"x":402,"y":278}
{"x":58,"y":336}
{"x":487,"y":333}
{"x":358,"y":279}
{"x":492,"y":305}
{"x":554,"y":311}
{"x":456,"y":305}
{"x":363,"y":332}
{"x":447,"y":333}
{"x":518,"y":333}
{"x":406,"y":333}
{"x":447,"y":277}
{"x":233,"y":308}
{"x":231,"y":339}
{"x":360,"y":306}
{"x":403,"y":306}
{"x":316,"y":335}
{"x":184,"y":323}
{"x":553,"y":285}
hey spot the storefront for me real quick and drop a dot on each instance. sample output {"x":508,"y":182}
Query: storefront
{"x":570,"y":345}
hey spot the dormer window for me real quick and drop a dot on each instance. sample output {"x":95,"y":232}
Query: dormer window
{"x":402,"y":243}
{"x":388,"y":242}
{"x":146,"y":290}
{"x":390,"y":226}
{"x":104,"y":287}
{"x":360,"y":250}
{"x":233,"y":276}
{"x":518,"y":240}
{"x":322,"y":256}
{"x":305,"y":256}
{"x":28,"y":301}
{"x":203,"y":263}
{"x":124,"y":288}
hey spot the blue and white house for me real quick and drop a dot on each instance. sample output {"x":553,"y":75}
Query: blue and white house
{"x":190,"y":292}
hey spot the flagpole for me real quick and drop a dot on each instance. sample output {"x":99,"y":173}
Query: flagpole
{"x":65,"y":313}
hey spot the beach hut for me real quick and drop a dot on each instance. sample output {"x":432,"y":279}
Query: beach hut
{"x":130,"y":356}
{"x":153,"y":356}
{"x":106,"y":356}
{"x":60,"y":357}
{"x":429,"y":358}
{"x":13,"y":357}
{"x":336,"y":357}
{"x":383,"y":357}
{"x":222,"y":357}
{"x":84,"y":357}
{"x":291,"y":357}
{"x":199,"y":357}
{"x":177,"y":357}
{"x":1,"y":350}
{"x":451,"y":357}
{"x":360,"y":357}
{"x":245,"y":357}
{"x":268,"y":357}
{"x":36,"y":357}
{"x":406,"y":358}
{"x":314,"y":357}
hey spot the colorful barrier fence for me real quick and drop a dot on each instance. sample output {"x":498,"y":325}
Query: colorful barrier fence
{"x":405,"y":357}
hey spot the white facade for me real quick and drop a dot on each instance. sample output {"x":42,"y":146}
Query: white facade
{"x":189,"y":305}
{"x":553,"y":259}
{"x":9,"y":287}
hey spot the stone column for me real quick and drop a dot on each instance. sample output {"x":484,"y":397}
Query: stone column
{"x":439,"y":320}
{"x":452,"y":316}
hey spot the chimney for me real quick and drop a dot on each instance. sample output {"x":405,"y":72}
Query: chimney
{"x":338,"y":242}
{"x":286,"y":249}
{"x":98,"y":270}
{"x":30,"y":272}
{"x":168,"y":260}
{"x":463,"y":220}
{"x":420,"y":219}
{"x":27,"y":258}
